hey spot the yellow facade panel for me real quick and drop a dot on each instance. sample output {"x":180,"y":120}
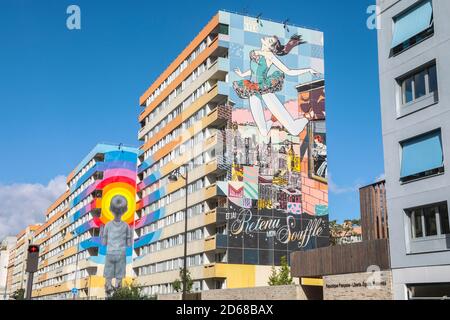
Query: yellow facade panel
{"x":318,"y":282}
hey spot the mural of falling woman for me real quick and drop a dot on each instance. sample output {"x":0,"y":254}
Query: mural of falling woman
{"x":263,"y":84}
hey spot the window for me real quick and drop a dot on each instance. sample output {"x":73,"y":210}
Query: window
{"x":223,"y":28}
{"x":418,"y":84}
{"x":429,"y":291}
{"x":98,"y":175}
{"x":422,"y":156}
{"x":429,"y":221}
{"x":412,"y":27}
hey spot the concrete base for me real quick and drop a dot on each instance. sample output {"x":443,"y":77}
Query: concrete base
{"x":289,"y":292}
{"x":358,"y":286}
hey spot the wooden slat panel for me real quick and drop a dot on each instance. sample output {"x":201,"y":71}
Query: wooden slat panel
{"x":341,"y":259}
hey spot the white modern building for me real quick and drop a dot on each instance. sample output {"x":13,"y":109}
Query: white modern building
{"x":6,"y":246}
{"x":414,"y":49}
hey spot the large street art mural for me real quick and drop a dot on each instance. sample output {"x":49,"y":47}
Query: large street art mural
{"x":115,"y":174}
{"x":277,"y":194}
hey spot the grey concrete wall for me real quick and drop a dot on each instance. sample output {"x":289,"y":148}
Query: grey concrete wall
{"x":290,"y":292}
{"x":427,"y":117}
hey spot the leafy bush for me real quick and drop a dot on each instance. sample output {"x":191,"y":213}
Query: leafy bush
{"x":281,"y":277}
{"x":129,"y":292}
{"x":178,"y":284}
{"x":19,"y":294}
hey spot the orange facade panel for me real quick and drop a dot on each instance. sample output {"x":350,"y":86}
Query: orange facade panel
{"x":58,"y":202}
{"x":183,"y":75}
{"x":181,"y":57}
{"x":49,"y":222}
{"x":203,"y":100}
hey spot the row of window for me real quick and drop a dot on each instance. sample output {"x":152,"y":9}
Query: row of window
{"x":175,"y":133}
{"x":175,"y":93}
{"x":60,"y":235}
{"x":81,"y":205}
{"x":173,"y":218}
{"x":65,"y":246}
{"x":172,"y":264}
{"x":161,"y":223}
{"x":63,"y":219}
{"x":202,"y":46}
{"x":178,"y":194}
{"x":421,"y":156}
{"x":81,"y":188}
{"x":168,"y":288}
{"x":60,"y":279}
{"x":62,"y":206}
{"x":64,"y":262}
{"x":171,"y":242}
{"x":65,"y":203}
{"x":80,"y":173}
{"x":188,"y":146}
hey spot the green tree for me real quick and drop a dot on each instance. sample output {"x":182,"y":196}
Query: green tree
{"x":284,"y":276}
{"x":178,"y":283}
{"x":273,"y":278}
{"x":129,"y":292}
{"x":19,"y":294}
{"x":281,"y":277}
{"x":336,"y":230}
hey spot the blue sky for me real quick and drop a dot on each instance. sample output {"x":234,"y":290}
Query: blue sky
{"x":62,"y":91}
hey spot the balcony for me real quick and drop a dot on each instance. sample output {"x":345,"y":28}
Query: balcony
{"x":210,"y":243}
{"x":210,"y":217}
{"x":209,"y":271}
{"x":219,"y":116}
{"x":216,"y":242}
{"x":212,"y":167}
{"x":210,"y":191}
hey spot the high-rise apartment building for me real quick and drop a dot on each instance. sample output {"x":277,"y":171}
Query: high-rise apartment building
{"x":72,"y":257}
{"x":241,"y":114}
{"x":414,"y":43}
{"x":17,"y":276}
{"x":6,"y":247}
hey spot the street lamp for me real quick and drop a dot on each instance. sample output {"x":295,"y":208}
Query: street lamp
{"x":4,"y":293}
{"x":173,"y":177}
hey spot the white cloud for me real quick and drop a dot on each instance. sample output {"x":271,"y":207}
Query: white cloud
{"x":380,"y":177}
{"x":336,"y":189}
{"x":22,"y":204}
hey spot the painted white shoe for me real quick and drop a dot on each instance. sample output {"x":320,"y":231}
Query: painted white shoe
{"x":299,"y":126}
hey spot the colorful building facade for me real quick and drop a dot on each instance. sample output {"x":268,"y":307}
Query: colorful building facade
{"x":72,"y":256}
{"x":241,"y":113}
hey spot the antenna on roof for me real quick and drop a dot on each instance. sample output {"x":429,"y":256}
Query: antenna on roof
{"x":258,"y":20}
{"x":285,"y":25}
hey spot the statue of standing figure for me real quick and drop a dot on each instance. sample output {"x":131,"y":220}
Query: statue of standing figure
{"x":116,"y":236}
